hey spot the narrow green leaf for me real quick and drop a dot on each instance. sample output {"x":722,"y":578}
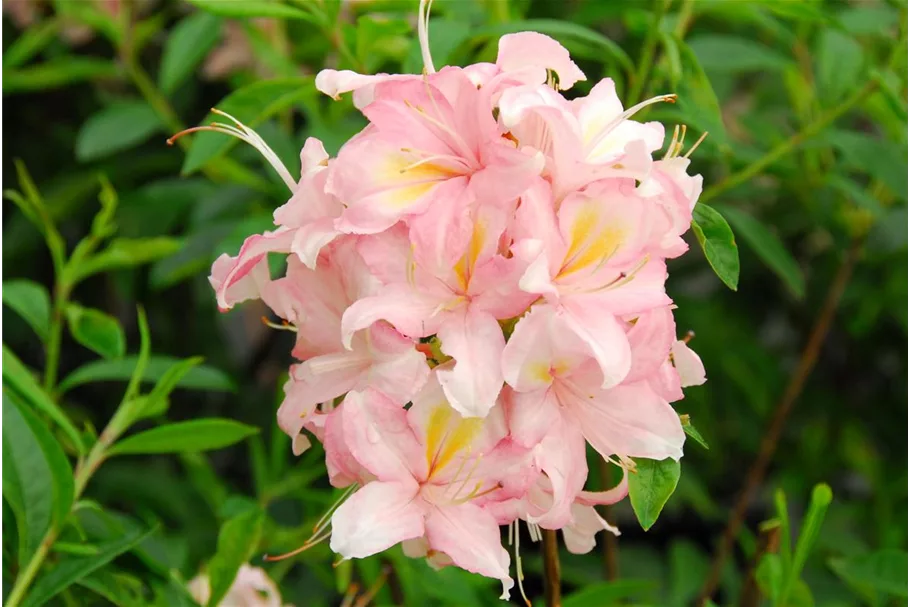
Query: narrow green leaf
{"x":126,"y":253}
{"x":733,"y":54}
{"x":251,"y":105}
{"x":18,"y":379}
{"x":881,"y":571}
{"x":37,"y":478}
{"x":115,"y":128}
{"x":650,"y":486}
{"x":816,"y":513}
{"x":70,"y":570}
{"x":691,"y":431}
{"x":30,"y":42}
{"x":57,"y":72}
{"x":839,"y":64}
{"x":145,"y":354}
{"x":717,"y":242}
{"x":120,"y":589}
{"x":92,"y":15}
{"x":32,"y":302}
{"x":187,"y":45}
{"x":190,"y":436}
{"x":697,"y":103}
{"x":768,"y":248}
{"x":253,"y":8}
{"x":99,"y":332}
{"x":198,"y":378}
{"x":238,"y":539}
{"x":784,"y":521}
{"x":611,"y":593}
{"x":156,"y":403}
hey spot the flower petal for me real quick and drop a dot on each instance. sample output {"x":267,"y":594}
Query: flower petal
{"x":378,"y":516}
{"x":475,"y":340}
{"x":471,"y":538}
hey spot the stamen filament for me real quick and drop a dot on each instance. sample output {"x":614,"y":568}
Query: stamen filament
{"x":696,"y":145}
{"x":424,"y":34}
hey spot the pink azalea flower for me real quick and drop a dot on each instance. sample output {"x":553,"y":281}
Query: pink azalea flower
{"x":426,"y":482}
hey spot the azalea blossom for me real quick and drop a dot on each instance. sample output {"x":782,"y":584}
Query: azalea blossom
{"x":250,"y":588}
{"x":477,"y":286}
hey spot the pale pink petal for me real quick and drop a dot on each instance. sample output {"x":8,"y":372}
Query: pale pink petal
{"x":304,"y":390}
{"x":607,"y":497}
{"x":378,"y":516}
{"x":580,"y":535}
{"x":688,"y":365}
{"x":471,"y":538}
{"x":650,"y":340}
{"x":408,"y":310}
{"x":376,"y":431}
{"x":475,"y":340}
{"x":632,"y":421}
{"x":237,"y":279}
{"x":531,"y":415}
{"x":310,"y":239}
{"x":604,"y":335}
{"x":528,"y":357}
{"x":561,"y":456}
{"x":531,"y":49}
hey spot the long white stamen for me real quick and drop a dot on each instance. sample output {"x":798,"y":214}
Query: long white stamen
{"x":424,"y":34}
{"x":519,"y":574}
{"x":248,"y":136}
{"x":326,"y":518}
{"x":669,"y":98}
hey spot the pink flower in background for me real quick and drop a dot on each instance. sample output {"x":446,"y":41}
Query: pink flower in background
{"x":477,"y":286}
{"x":251,"y":588}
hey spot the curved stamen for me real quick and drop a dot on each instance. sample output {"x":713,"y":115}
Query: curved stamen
{"x":246,"y":135}
{"x":424,"y":34}
{"x":669,"y":98}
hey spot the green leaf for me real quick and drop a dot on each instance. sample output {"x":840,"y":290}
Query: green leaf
{"x":251,"y":105}
{"x":125,"y":253}
{"x":97,"y":331}
{"x":57,"y":72}
{"x":882,"y":571}
{"x":37,"y":478}
{"x":115,"y":128}
{"x":691,"y":431}
{"x":253,"y":8}
{"x":187,"y":45}
{"x":697,"y":103}
{"x":191,"y":436}
{"x":19,"y":380}
{"x":92,"y":15}
{"x":840,"y":60}
{"x":650,"y":486}
{"x":30,"y":301}
{"x":768,"y":248}
{"x":199,"y":378}
{"x":69,"y":570}
{"x":732,"y":54}
{"x":30,"y":42}
{"x":717,"y":242}
{"x":610,"y":593}
{"x":238,"y":539}
{"x":156,"y":403}
{"x":809,"y":531}
{"x":879,"y":158}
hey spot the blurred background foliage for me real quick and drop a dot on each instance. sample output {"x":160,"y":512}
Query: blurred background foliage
{"x":805,"y":103}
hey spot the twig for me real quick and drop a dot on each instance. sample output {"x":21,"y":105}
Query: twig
{"x":786,"y":147}
{"x":773,"y":434}
{"x":646,"y":59}
{"x":749,"y":593}
{"x":550,"y":550}
{"x":610,"y":547}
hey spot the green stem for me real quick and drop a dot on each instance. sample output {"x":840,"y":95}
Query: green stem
{"x":84,"y":471}
{"x":786,"y":147}
{"x":646,"y":59}
{"x":52,"y":359}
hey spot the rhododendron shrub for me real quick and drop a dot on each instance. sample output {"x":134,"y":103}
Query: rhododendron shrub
{"x":477,"y":285}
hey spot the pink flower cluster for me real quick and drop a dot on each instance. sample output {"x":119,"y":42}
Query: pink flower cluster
{"x":477,"y":285}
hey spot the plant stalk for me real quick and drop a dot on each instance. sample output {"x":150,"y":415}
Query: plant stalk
{"x":550,"y":551}
{"x":773,"y":434}
{"x":646,"y":59}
